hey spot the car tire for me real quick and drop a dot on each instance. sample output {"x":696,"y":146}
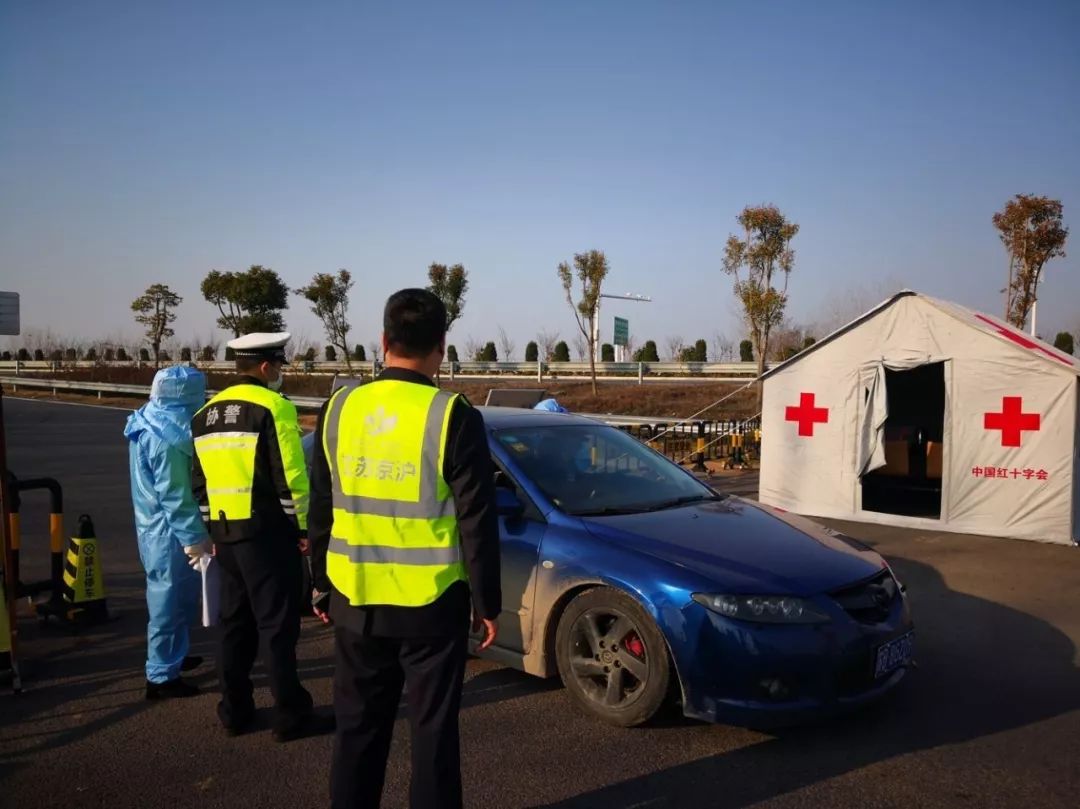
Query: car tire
{"x":612,"y":658}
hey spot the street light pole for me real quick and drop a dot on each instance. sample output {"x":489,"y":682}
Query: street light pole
{"x":597,"y":355}
{"x":1035,"y":305}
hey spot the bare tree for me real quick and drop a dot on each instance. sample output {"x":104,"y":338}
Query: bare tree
{"x":546,"y":341}
{"x":841,"y":309}
{"x":205,"y":349}
{"x":787,"y":340}
{"x":375,"y":350}
{"x":722,"y":349}
{"x":581,"y":347}
{"x":506,"y":346}
{"x":43,"y":340}
{"x":674,"y":346}
{"x":301,"y":345}
{"x":171,"y":349}
{"x":473,"y":349}
{"x":113,"y":340}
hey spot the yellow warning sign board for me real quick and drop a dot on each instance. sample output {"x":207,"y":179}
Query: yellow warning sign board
{"x":82,"y":572}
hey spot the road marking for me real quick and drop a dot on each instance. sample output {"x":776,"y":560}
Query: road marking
{"x":70,"y":404}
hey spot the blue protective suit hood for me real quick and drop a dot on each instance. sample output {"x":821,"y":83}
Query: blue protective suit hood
{"x":551,"y":406}
{"x":177,"y":393}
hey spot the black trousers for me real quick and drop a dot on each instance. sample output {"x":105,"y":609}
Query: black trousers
{"x":260,"y":599}
{"x":370,"y":672}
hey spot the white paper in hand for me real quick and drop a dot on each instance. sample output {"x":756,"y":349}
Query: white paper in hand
{"x":211,"y":604}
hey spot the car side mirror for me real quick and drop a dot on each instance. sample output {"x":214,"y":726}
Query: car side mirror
{"x":507,"y":503}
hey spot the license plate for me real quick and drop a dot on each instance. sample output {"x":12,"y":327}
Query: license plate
{"x":894,"y":654}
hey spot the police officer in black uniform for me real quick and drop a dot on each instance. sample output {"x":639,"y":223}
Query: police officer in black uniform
{"x":250,"y":480}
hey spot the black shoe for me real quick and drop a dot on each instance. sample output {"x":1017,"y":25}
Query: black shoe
{"x":235,"y":723}
{"x":191,"y":663}
{"x":173,"y":689}
{"x":313,"y":724}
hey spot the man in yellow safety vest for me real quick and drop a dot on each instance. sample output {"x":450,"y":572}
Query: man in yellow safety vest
{"x":403,"y":526}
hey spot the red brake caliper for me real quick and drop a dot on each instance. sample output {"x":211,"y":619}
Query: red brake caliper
{"x":634,"y":645}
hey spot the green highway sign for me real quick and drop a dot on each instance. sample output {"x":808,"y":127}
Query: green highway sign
{"x":622,"y":331}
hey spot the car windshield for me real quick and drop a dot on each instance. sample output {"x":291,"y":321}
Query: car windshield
{"x":587,"y":469}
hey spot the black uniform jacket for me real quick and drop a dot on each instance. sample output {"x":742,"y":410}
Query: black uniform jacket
{"x":470,"y":473}
{"x":270,"y":485}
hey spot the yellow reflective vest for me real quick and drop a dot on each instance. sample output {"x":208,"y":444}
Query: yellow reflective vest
{"x":395,"y":537}
{"x":248,"y":473}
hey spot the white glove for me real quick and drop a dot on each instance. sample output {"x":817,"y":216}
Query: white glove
{"x":195,"y":553}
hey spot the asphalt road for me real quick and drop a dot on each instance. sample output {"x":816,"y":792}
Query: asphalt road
{"x":990,"y":718}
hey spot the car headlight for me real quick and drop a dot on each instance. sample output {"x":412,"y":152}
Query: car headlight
{"x":763,"y":609}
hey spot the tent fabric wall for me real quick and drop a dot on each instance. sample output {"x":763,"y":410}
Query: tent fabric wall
{"x":874,"y":414}
{"x":823,"y":416}
{"x":1076,"y":470}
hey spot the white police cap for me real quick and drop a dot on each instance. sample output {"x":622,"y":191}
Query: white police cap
{"x":270,"y":345}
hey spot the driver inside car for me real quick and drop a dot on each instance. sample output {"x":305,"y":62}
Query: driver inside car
{"x":560,"y":463}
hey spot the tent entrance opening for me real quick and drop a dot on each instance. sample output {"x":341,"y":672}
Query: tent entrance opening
{"x":910,"y":482}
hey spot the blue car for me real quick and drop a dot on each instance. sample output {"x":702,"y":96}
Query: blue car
{"x":637,"y":584}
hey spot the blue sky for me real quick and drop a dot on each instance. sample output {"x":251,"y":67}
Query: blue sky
{"x":151,"y":142}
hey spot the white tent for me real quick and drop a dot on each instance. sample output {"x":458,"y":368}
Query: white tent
{"x":924,"y":413}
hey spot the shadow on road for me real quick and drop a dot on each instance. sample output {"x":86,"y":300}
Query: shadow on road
{"x":983,"y":668}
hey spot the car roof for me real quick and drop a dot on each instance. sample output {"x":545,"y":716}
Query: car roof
{"x":498,"y":418}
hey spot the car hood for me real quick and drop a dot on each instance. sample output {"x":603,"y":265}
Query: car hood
{"x":743,"y":547}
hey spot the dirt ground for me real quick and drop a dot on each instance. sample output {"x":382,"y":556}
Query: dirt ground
{"x":668,"y":400}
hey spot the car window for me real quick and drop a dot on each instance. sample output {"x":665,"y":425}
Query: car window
{"x":595,"y":469}
{"x":505,"y":480}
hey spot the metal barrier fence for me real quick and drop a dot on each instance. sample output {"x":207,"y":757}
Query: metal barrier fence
{"x":698,"y":440}
{"x":622,"y":371}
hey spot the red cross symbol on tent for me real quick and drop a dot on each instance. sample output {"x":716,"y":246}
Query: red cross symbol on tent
{"x":1011,"y":421}
{"x":807,"y":415}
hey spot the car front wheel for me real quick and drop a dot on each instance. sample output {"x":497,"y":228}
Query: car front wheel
{"x":612,"y":657}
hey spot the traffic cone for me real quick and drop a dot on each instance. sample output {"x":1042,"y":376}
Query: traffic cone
{"x":84,"y":585}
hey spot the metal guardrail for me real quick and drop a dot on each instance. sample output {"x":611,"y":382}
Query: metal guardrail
{"x":715,"y":439}
{"x":16,"y":382}
{"x":105,"y":388}
{"x":482,"y":370}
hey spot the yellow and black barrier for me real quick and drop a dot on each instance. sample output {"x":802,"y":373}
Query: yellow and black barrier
{"x":699,"y":450}
{"x":75,"y":584}
{"x":9,"y":668}
{"x":9,"y":662}
{"x":82,"y":596}
{"x":56,"y":535}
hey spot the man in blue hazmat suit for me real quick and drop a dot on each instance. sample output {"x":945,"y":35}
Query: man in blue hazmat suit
{"x":172,"y":535}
